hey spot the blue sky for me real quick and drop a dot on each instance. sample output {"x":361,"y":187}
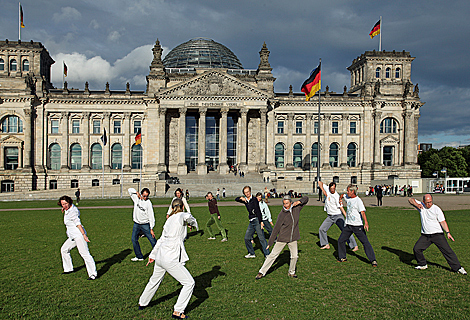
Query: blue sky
{"x":111,"y":41}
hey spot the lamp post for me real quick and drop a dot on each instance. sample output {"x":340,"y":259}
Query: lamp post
{"x":444,"y":172}
{"x":436,"y":175}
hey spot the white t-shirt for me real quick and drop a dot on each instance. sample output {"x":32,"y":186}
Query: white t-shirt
{"x":430,"y":219}
{"x":332,"y":203}
{"x":353,"y":214}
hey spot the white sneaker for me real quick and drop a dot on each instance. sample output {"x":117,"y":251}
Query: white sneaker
{"x":423,"y":267}
{"x":462,"y":271}
{"x":137,"y":259}
{"x":249,"y":255}
{"x":211,"y":238}
{"x":224,"y":239}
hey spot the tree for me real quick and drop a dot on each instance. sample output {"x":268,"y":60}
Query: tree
{"x":451,"y":158}
{"x":428,"y":165}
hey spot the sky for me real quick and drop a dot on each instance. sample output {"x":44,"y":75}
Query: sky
{"x":111,"y":41}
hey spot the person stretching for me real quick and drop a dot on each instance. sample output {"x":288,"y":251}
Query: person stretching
{"x":214,"y":210}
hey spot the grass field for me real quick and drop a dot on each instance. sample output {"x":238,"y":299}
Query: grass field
{"x":32,"y":285}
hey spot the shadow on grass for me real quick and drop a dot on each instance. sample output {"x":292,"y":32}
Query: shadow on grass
{"x":202,"y":282}
{"x":282,"y":259}
{"x":407,"y":258}
{"x":195,"y":233}
{"x":334,"y":243}
{"x":108,"y":263}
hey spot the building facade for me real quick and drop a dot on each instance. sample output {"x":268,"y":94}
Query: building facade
{"x":203,"y":112}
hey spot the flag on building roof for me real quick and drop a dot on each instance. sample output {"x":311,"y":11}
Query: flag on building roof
{"x":104,"y":138}
{"x":65,"y":69}
{"x":312,"y":84}
{"x":21,"y":16}
{"x":375,"y":30}
{"x":138,"y":138}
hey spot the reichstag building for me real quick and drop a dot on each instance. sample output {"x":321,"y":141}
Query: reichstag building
{"x":204,"y":113}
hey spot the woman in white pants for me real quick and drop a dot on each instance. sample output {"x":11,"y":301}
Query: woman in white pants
{"x":170,"y":256}
{"x":77,"y":237}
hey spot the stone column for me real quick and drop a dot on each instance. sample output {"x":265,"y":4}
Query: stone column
{"x":201,"y":143}
{"x":270,"y":141}
{"x":162,"y":137}
{"x":223,"y":167}
{"x":29,"y":113}
{"x":289,"y":152}
{"x":325,"y":154}
{"x":308,"y":141}
{"x":86,"y":161}
{"x":106,"y":148}
{"x":377,"y":152}
{"x":65,"y":151}
{"x":20,"y":156}
{"x":262,"y":140}
{"x":39,"y":142}
{"x":182,"y":169}
{"x":126,"y":142}
{"x":409,"y":138}
{"x":343,"y":155}
{"x":367,"y":136}
{"x":243,"y":139}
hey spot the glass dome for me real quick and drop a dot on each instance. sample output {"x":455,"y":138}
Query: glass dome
{"x":201,"y":53}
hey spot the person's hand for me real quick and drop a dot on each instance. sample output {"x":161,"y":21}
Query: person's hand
{"x":419,"y":205}
{"x":296,"y":203}
{"x":366,"y":226}
{"x":450,"y":237}
{"x":267,"y":247}
{"x":243,"y":199}
{"x":86,"y":238}
{"x":262,"y":225}
{"x":150,"y":261}
{"x":272,"y":224}
{"x":152,"y":233}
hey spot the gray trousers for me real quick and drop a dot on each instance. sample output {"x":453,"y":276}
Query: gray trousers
{"x":278,"y":246}
{"x":326,"y":225}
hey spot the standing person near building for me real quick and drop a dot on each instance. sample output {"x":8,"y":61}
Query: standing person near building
{"x":433,"y":223}
{"x":178,"y":195}
{"x":77,"y":195}
{"x":215,"y":218}
{"x":379,"y":195}
{"x":217,"y":194}
{"x":170,"y":256}
{"x":287,"y":232}
{"x":320,"y":193}
{"x":355,"y":216}
{"x":144,"y":220}
{"x":223,"y":192}
{"x":187,"y":194}
{"x":266,"y":214}
{"x":266,"y":194}
{"x":334,"y":216}
{"x":256,"y":222}
{"x":76,"y":237}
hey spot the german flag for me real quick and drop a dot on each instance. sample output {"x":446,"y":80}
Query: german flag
{"x":21,"y":16}
{"x":65,"y":69}
{"x":375,"y":30}
{"x":138,"y":138}
{"x":312,"y":84}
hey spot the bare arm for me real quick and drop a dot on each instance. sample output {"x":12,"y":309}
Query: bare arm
{"x":320,"y":184}
{"x":342,"y":210}
{"x":445,"y":227}
{"x":366,"y":224}
{"x":415,"y":204}
{"x":80,"y":227}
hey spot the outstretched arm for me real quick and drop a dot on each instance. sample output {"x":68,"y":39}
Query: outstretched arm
{"x":415,"y":204}
{"x":320,"y":184}
{"x":445,"y":227}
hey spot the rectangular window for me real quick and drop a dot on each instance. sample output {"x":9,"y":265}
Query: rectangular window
{"x":54,"y":126}
{"x":117,"y":126}
{"x":75,"y":126}
{"x":388,"y":156}
{"x":11,"y":158}
{"x":74,"y":184}
{"x":315,"y":127}
{"x":53,"y":184}
{"x":334,"y":127}
{"x":298,"y":127}
{"x":137,"y":126}
{"x":352,"y":127}
{"x":280,"y":127}
{"x":96,"y":127}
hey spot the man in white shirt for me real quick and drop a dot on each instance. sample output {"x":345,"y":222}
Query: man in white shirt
{"x":144,"y":220}
{"x":356,"y":213}
{"x":332,"y":208}
{"x":433,"y":224}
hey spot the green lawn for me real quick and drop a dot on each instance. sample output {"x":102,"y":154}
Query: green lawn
{"x":32,"y":285}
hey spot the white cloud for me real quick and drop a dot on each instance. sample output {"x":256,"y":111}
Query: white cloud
{"x":66,"y":14}
{"x":94,"y":24}
{"x":114,"y":36}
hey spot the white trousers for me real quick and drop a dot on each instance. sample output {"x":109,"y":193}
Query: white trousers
{"x":294,"y":255}
{"x":82,"y":246}
{"x":178,"y":271}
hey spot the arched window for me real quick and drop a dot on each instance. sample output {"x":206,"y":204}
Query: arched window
{"x":279,"y":155}
{"x":315,"y":155}
{"x":75,"y":156}
{"x":351,"y":155}
{"x":377,"y":73}
{"x":334,"y":154}
{"x":2,"y":64}
{"x":298,"y":155}
{"x":13,"y":65}
{"x":96,"y":156}
{"x":136,"y":156}
{"x":12,"y":124}
{"x":387,"y":73}
{"x":95,"y":183}
{"x":116,"y":156}
{"x":397,"y":73}
{"x":54,"y":156}
{"x":388,"y":125}
{"x":25,"y":65}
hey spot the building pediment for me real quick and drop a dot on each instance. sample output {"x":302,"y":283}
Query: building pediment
{"x":11,"y":140}
{"x":389,"y":140}
{"x":213,"y":84}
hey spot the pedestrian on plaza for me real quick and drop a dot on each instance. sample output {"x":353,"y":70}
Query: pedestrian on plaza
{"x":287,"y":232}
{"x":433,"y":226}
{"x":379,"y":195}
{"x":356,"y":222}
{"x":217,"y":194}
{"x":256,"y":222}
{"x":77,"y":195}
{"x":396,"y":189}
{"x":334,"y":216}
{"x":266,"y":214}
{"x":215,"y":218}
{"x":223,"y":192}
{"x":76,"y":237}
{"x":320,"y":193}
{"x":170,"y":256}
{"x":266,"y":194}
{"x":144,"y":220}
{"x":187,"y":194}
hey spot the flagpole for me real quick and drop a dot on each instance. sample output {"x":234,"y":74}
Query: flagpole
{"x":122,"y":164}
{"x":19,"y":21}
{"x":102,"y":166}
{"x":318,"y":131}
{"x":141,"y":158}
{"x":63,"y":74}
{"x":380,"y":35}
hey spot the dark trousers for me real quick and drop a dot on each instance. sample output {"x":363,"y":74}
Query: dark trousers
{"x":136,"y":230}
{"x":361,"y":235}
{"x":441,"y":242}
{"x":253,"y":227}
{"x":379,"y":201}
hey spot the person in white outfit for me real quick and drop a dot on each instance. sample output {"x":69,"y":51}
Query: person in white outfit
{"x":144,"y":220}
{"x":77,"y":237}
{"x":179,"y":195}
{"x":170,"y":256}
